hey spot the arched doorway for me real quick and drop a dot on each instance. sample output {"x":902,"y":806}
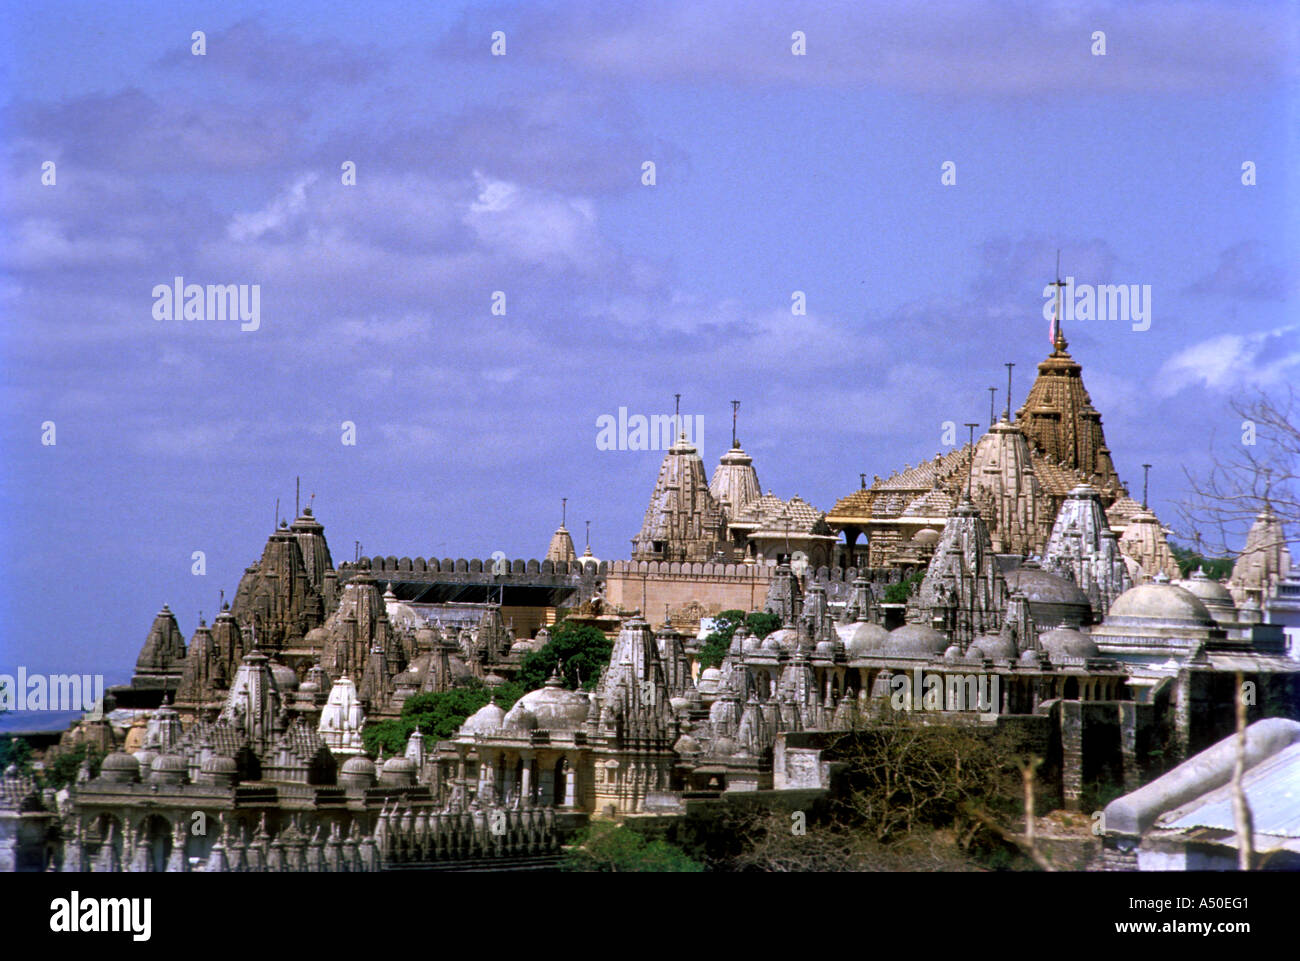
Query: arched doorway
{"x":156,"y":836}
{"x":103,"y":843}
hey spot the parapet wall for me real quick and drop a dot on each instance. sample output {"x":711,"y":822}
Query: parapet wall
{"x":685,"y":591}
{"x":461,"y":565}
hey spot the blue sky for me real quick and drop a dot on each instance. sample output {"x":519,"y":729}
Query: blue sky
{"x":522,"y":173}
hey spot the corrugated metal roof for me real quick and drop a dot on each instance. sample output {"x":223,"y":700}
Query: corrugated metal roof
{"x":1272,"y":790}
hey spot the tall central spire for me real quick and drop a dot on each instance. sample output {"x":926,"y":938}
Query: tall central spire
{"x":1059,"y":343}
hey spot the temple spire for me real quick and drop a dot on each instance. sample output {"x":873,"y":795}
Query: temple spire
{"x":735,"y":408}
{"x":970,"y":468}
{"x":1059,"y":343}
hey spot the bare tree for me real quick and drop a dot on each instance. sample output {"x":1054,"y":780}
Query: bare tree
{"x":1259,"y":469}
{"x":1242,"y":817}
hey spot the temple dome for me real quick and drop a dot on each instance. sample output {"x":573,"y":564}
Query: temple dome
{"x":169,"y":769}
{"x":485,"y":720}
{"x":1206,"y":588}
{"x":550,"y":708}
{"x":785,"y":639}
{"x":1044,"y":586}
{"x":710,"y":678}
{"x":686,"y":745}
{"x":358,"y":765}
{"x":219,"y":764}
{"x":120,"y":766}
{"x":285,"y":678}
{"x":997,"y":647}
{"x":398,"y":772}
{"x":1066,"y":642}
{"x":862,"y":637}
{"x":1164,"y":602}
{"x":915,"y":639}
{"x":1214,"y":595}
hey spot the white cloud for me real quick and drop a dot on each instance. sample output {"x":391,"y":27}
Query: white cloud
{"x":276,"y":215}
{"x":1231,"y":361}
{"x":535,"y":226}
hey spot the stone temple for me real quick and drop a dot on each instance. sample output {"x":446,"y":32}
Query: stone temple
{"x":1046,"y":607}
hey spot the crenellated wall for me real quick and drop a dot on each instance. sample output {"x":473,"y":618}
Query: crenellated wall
{"x":687,"y":591}
{"x":461,"y":565}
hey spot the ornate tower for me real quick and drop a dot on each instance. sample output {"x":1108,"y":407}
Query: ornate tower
{"x":205,"y":672}
{"x":276,"y":598}
{"x":358,"y":625}
{"x":683,"y":521}
{"x":162,"y":657}
{"x":1264,"y":561}
{"x":1060,"y":423}
{"x":1006,"y":490}
{"x":316,"y":556}
{"x":1083,"y":545}
{"x":253,"y":704}
{"x":1143,"y":541}
{"x":963,"y":588}
{"x":561,"y":548}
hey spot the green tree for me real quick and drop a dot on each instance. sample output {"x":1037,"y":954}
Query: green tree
{"x":606,"y":847}
{"x":581,"y":650}
{"x":61,"y":769}
{"x":16,"y":751}
{"x":762,"y":623}
{"x":437,"y":715}
{"x":725,"y":625}
{"x":718,"y":642}
{"x":900,"y":592}
{"x":1189,"y":561}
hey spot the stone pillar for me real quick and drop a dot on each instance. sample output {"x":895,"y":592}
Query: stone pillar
{"x":526,"y":784}
{"x":176,"y":862}
{"x":546,"y":780}
{"x":1182,"y":696}
{"x":509,"y":760}
{"x":1071,"y":753}
{"x":484,"y":770}
{"x":1128,"y":745}
{"x":570,"y":776}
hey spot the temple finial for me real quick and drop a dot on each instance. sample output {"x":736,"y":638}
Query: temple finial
{"x":970,"y":468}
{"x":1059,"y":342}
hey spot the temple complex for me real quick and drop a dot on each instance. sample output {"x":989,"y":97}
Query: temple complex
{"x":1021,"y":473}
{"x":1010,"y":586}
